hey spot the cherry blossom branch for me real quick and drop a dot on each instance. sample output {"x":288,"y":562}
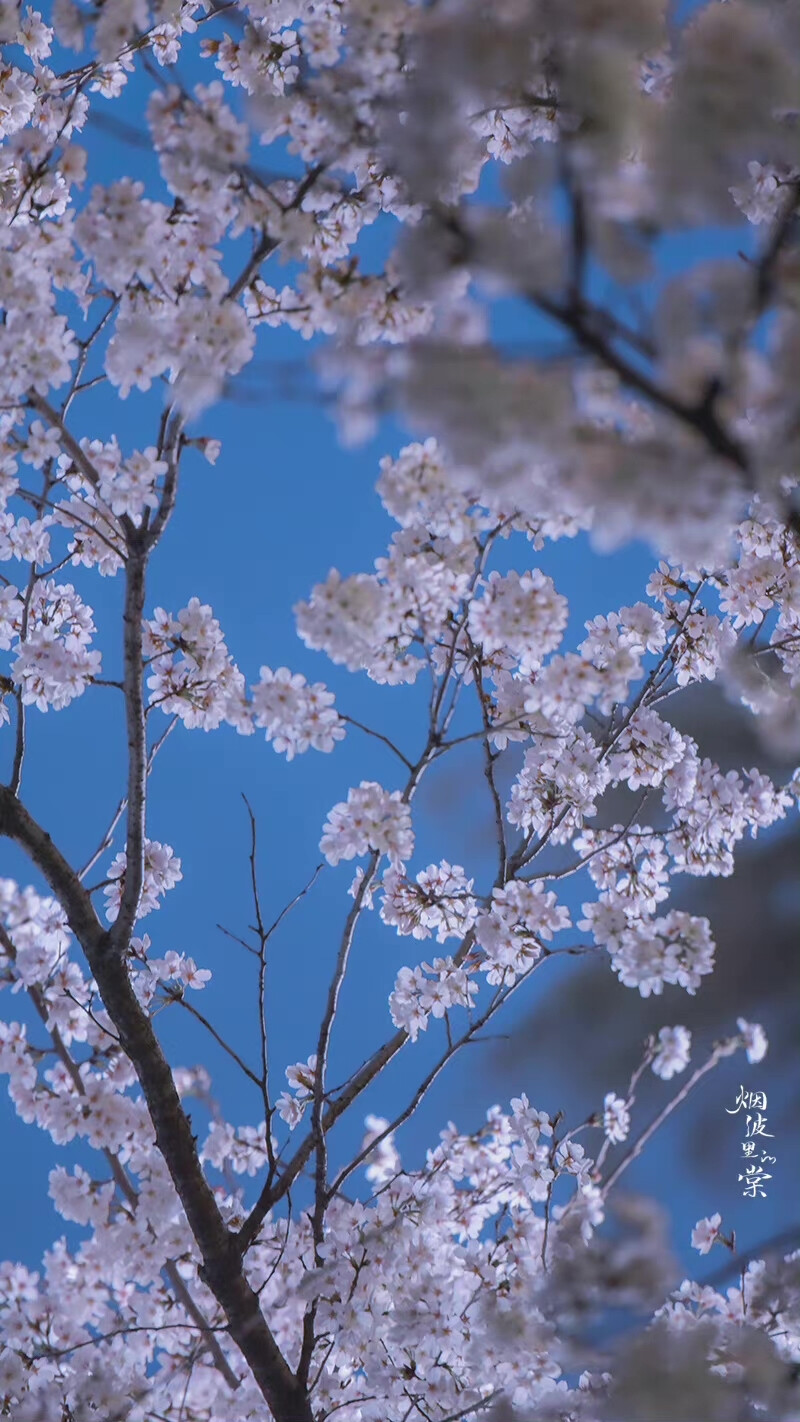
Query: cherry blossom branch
{"x":766,"y":266}
{"x":630,"y":1098}
{"x":208,"y":1330}
{"x":490,"y":757}
{"x":318,"y":1126}
{"x":357,"y":1084}
{"x":529,"y":848}
{"x":69,"y":518}
{"x":513,"y":723}
{"x":614,"y":837}
{"x":785,"y":1240}
{"x":324,"y":1119}
{"x":126,"y":1328}
{"x":108,"y":837}
{"x":84,"y":347}
{"x":120,"y":1174}
{"x":261,"y":251}
{"x":548,"y":1201}
{"x":267,"y":245}
{"x":578,"y":233}
{"x":170,"y":449}
{"x":15,"y":779}
{"x":590,"y":326}
{"x":378,"y":736}
{"x":438,"y":694}
{"x":499,"y":999}
{"x":350,"y":1092}
{"x":174,"y":994}
{"x":221,"y":1269}
{"x":473,"y":1408}
{"x":132,"y":617}
{"x":318,"y":1132}
{"x":263,"y":936}
{"x":71,"y":445}
{"x":588,"y":329}
{"x":722,"y":1049}
{"x":39,"y":169}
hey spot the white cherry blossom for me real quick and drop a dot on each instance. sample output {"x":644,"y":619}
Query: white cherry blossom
{"x":706,"y":1233}
{"x":672,"y":1053}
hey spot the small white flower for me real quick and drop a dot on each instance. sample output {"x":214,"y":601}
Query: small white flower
{"x":616,"y":1117}
{"x":383,"y":1162}
{"x":754,"y":1039}
{"x":673,"y":1051}
{"x":706,"y":1233}
{"x":302,"y":1075}
{"x":290,"y":1109}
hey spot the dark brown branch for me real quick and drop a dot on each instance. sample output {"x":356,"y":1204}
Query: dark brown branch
{"x":261,"y":251}
{"x":267,"y":245}
{"x":336,"y":1108}
{"x":137,"y":749}
{"x":767,"y":264}
{"x":323,"y":1120}
{"x":122,"y":1179}
{"x":490,"y":758}
{"x":221,"y":1269}
{"x":170,"y":450}
{"x":323,"y":1044}
{"x":378,"y":735}
{"x":591,"y":326}
{"x":700,"y":417}
{"x":19,"y":745}
{"x":470,"y":1035}
{"x":71,"y":445}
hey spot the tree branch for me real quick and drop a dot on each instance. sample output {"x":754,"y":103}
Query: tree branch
{"x":123,"y":804}
{"x":170,"y":450}
{"x":137,"y":749}
{"x":121,"y":1177}
{"x":221,"y":1269}
{"x":721,"y":1050}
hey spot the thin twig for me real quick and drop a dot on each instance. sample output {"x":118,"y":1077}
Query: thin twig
{"x":108,"y":837}
{"x":176,"y":995}
{"x":263,"y":1081}
{"x":722,"y":1049}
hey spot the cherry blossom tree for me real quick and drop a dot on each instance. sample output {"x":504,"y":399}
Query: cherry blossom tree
{"x":547,"y":151}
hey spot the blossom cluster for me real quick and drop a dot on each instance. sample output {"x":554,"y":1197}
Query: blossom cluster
{"x":193,"y":677}
{"x":162,"y":871}
{"x":371,"y":819}
{"x":516,"y":1205}
{"x":542,"y":699}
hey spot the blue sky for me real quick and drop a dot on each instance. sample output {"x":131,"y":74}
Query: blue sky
{"x":251,"y":537}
